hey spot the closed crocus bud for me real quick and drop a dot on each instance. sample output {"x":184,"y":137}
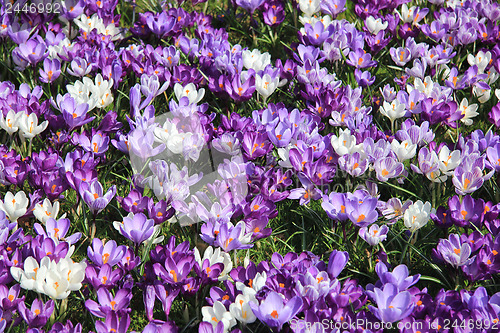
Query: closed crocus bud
{"x":337,"y":262}
{"x":417,"y":215}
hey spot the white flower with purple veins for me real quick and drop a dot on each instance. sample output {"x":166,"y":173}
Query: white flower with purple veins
{"x":14,"y":206}
{"x":255,"y":60}
{"x":227,"y":143}
{"x":417,"y":215}
{"x":468,"y":111}
{"x":394,"y":209}
{"x":375,"y":25}
{"x":189,"y":91}
{"x":374,"y":234}
{"x":453,"y":251}
{"x":28,"y":126}
{"x":10,"y":122}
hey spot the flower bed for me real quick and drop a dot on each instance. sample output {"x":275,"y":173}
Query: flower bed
{"x":249,"y":166}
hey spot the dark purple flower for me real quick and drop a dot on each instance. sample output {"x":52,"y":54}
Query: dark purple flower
{"x":336,"y":263}
{"x":113,"y":323}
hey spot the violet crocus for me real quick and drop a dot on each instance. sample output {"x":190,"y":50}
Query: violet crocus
{"x":453,"y":251}
{"x":113,"y":323}
{"x":374,"y":235}
{"x":361,"y":212}
{"x":274,"y":311}
{"x":74,"y":114}
{"x":136,"y":227}
{"x":107,"y":303}
{"x":336,"y":263}
{"x":38,"y":314}
{"x":392,"y":304}
{"x":105,"y":253}
{"x":95,"y":198}
{"x":51,"y":70}
{"x":399,"y":277}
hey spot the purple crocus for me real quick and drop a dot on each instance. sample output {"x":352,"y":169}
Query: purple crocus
{"x":336,"y":263}
{"x":94,"y":196}
{"x":361,"y":212}
{"x":274,"y":311}
{"x":136,"y":227}
{"x":453,"y":251}
{"x":392,"y":304}
{"x":74,"y":114}
{"x":374,"y":235}
{"x":399,"y":277}
{"x":51,"y":70}
{"x":113,"y":323}
{"x":39,"y":313}
{"x":108,"y":303}
{"x":105,"y":253}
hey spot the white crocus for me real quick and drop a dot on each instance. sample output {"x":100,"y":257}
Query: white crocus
{"x":417,"y":215}
{"x":216,"y":313}
{"x":33,"y":275}
{"x":255,"y":59}
{"x":425,"y":87}
{"x":404,"y":150}
{"x":28,"y":126}
{"x":101,"y":91}
{"x":345,"y":143}
{"x":244,"y":237}
{"x":163,"y":134}
{"x":393,"y":110}
{"x":375,"y":25}
{"x":266,"y":85}
{"x":468,"y":111}
{"x":190,"y":92}
{"x":10,"y":122}
{"x":483,"y":95}
{"x":47,"y":210}
{"x":481,"y":60}
{"x":406,"y":13}
{"x":448,"y":160}
{"x":14,"y":206}
{"x":241,"y":309}
{"x":258,"y":282}
{"x":309,"y":7}
{"x":214,"y":257}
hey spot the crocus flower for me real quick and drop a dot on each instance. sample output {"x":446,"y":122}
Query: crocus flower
{"x":51,"y":70}
{"x":336,"y":263}
{"x":374,"y":235}
{"x":14,"y":206}
{"x":10,"y":122}
{"x":113,"y":323}
{"x":28,"y":125}
{"x":392,"y":304}
{"x":417,"y":215}
{"x":218,"y":313}
{"x":39,"y":313}
{"x":362,"y":212}
{"x":94,"y":196}
{"x":109,"y":303}
{"x":47,"y":210}
{"x":136,"y":227}
{"x":399,"y":277}
{"x":453,"y":251}
{"x":274,"y":311}
{"x":105,"y":253}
